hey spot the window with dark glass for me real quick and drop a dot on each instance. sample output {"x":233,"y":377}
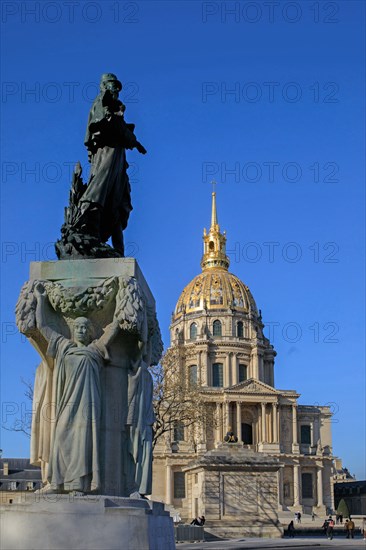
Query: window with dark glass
{"x":307,"y":485}
{"x":243,"y":373}
{"x":193,"y":331}
{"x":247,"y":433}
{"x":193,"y":374}
{"x":217,"y":375}
{"x":178,"y":431}
{"x":240,"y":329}
{"x":179,"y":485}
{"x":305,"y":434}
{"x":216,"y":328}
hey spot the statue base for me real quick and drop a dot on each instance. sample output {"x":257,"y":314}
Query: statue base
{"x":66,"y":522}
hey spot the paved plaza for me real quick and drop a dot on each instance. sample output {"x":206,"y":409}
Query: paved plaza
{"x":254,"y":543}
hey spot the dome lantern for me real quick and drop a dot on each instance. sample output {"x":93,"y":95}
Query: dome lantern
{"x":214,"y":244}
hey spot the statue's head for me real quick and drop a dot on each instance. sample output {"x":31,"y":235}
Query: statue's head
{"x":83,"y":331}
{"x":109,"y":81}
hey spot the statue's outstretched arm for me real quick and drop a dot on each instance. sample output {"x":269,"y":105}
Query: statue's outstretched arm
{"x":41,"y":315}
{"x":110,"y":333}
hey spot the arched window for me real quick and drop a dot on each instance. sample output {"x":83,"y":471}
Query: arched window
{"x":240,"y":329}
{"x":243,"y":373}
{"x":193,"y":331}
{"x":193,"y":375}
{"x":216,"y":328}
{"x":177,"y":333}
{"x":217,"y":375}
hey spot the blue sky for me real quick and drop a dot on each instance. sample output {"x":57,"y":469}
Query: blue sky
{"x":266,"y":99}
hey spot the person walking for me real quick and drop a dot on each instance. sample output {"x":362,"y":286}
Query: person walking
{"x":350,"y":528}
{"x":325,"y":526}
{"x":291,"y":529}
{"x":330,"y":528}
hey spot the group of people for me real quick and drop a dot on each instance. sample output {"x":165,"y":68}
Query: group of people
{"x":328,"y":527}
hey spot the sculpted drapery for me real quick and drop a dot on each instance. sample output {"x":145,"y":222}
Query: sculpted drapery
{"x":70,"y":392}
{"x":140,"y":420}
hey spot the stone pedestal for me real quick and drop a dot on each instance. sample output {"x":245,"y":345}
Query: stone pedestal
{"x":66,"y":522}
{"x":240,"y":496}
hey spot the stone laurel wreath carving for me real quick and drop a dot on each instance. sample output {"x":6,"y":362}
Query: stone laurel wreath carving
{"x":74,"y":301}
{"x":25,"y":310}
{"x":130,"y":309}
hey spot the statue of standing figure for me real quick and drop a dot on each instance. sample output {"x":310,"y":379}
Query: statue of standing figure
{"x":140,"y":420}
{"x":73,"y":454}
{"x":67,"y":439}
{"x":100,"y":210}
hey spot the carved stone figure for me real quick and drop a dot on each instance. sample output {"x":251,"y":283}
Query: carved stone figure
{"x":74,"y":447}
{"x":92,"y":409}
{"x":140,"y":420}
{"x":100,"y":209}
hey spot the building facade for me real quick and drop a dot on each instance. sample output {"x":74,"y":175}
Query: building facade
{"x":226,"y":355}
{"x":18,"y":477}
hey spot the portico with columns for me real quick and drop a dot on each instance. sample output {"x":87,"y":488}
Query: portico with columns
{"x":217,"y":322}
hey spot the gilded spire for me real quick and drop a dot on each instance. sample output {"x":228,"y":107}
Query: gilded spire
{"x":214,"y":243}
{"x":214,"y":211}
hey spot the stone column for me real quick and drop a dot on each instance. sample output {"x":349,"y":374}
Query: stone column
{"x":297,"y":485}
{"x":205,"y":376}
{"x":199,"y":368}
{"x":169,"y":485}
{"x":235,"y":369}
{"x":260,"y":367}
{"x":263,"y":417}
{"x":254,"y":364}
{"x":319,"y":478}
{"x":227,"y":422}
{"x":227,"y":377}
{"x":218,"y":423}
{"x":238,"y":420}
{"x":280,"y":487}
{"x":295,"y":445}
{"x":274,"y":423}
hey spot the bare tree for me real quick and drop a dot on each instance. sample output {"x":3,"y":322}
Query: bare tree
{"x":24,"y":423}
{"x":177,"y":397}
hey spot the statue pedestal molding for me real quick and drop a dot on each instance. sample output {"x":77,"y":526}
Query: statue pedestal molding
{"x":55,"y":522}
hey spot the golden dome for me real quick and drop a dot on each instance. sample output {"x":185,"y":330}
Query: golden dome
{"x":215,"y":288}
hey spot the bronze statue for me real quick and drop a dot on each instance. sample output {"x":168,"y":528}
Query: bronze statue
{"x":100,"y":210}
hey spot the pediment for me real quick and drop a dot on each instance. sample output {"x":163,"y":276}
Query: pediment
{"x":253,"y":386}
